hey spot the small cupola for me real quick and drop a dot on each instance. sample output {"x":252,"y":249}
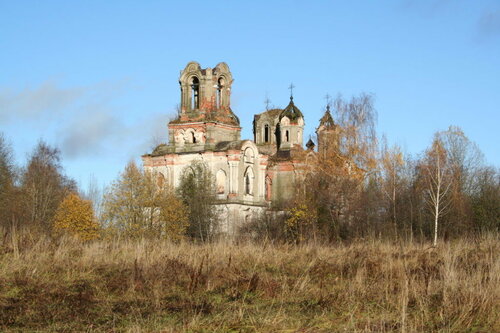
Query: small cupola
{"x":310,"y":144}
{"x":292,"y":112}
{"x":290,"y":128}
{"x":327,"y":121}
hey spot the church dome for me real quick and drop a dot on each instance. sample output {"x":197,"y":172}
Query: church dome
{"x":291,"y":111}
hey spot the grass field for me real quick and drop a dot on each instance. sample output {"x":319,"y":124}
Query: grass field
{"x":143,"y":286}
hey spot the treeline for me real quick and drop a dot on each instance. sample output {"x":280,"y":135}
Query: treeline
{"x":359,"y":187}
{"x":354,"y":187}
{"x":40,"y":198}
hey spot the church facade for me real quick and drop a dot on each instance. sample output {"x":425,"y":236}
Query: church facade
{"x":251,"y":177}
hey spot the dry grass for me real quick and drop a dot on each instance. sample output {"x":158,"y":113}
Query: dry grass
{"x":367,"y":286}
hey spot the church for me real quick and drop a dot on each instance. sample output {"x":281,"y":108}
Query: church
{"x":251,"y":177}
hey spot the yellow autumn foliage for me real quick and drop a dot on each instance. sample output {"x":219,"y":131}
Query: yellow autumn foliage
{"x":173,"y":217}
{"x":300,"y":222}
{"x":136,"y":206}
{"x":75,"y":216}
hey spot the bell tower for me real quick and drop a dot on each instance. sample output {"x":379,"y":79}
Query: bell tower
{"x":206,"y":93}
{"x":205,"y":116}
{"x":327,"y":133}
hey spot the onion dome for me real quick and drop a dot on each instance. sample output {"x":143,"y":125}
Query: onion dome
{"x":291,"y":111}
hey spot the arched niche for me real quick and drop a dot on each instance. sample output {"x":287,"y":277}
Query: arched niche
{"x":160,"y":180}
{"x":249,"y":155}
{"x":220,"y":181}
{"x":249,"y":180}
{"x":268,"y":188}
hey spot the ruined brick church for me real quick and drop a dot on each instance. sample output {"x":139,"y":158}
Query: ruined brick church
{"x":250,"y":176}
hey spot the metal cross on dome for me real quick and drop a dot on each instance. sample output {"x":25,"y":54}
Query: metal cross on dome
{"x":328,"y":99}
{"x":291,"y":90}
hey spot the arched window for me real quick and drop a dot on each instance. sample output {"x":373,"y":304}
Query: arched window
{"x":249,"y":181}
{"x":218,"y":95}
{"x":195,"y":93}
{"x":220,"y":179}
{"x":193,"y":137}
{"x":287,"y":136}
{"x":266,"y":133}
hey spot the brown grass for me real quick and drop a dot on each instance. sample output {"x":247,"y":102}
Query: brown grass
{"x":367,"y":286}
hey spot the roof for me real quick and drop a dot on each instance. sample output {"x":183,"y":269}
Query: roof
{"x":229,"y":145}
{"x":310,"y":144}
{"x":291,"y":111}
{"x":327,"y":120}
{"x":273,"y":113}
{"x":164,"y":149}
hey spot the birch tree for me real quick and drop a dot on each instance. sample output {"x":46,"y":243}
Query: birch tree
{"x":438,"y":181}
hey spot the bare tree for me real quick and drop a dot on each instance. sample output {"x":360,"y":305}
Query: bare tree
{"x":437,"y":175}
{"x":392,"y":165}
{"x":44,"y":186}
{"x":358,"y":139}
{"x":94,"y":193}
{"x":7,"y":188}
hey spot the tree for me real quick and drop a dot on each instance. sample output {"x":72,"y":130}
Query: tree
{"x":465,"y":161}
{"x":392,"y":165}
{"x":44,"y":186}
{"x":438,"y":181}
{"x":339,"y":176}
{"x":358,"y":140}
{"x":75,"y":216}
{"x":173,"y":216}
{"x":197,"y":190}
{"x":7,"y":188}
{"x":486,"y":201}
{"x":94,"y":193}
{"x":136,"y":206}
{"x":124,"y":202}
{"x":301,"y":222}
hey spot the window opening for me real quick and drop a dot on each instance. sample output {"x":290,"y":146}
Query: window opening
{"x":247,"y":184}
{"x":266,"y":133}
{"x":195,"y":87}
{"x":287,"y":136}
{"x":218,"y":95}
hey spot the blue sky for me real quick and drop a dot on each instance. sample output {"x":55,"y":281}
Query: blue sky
{"x":99,"y":79}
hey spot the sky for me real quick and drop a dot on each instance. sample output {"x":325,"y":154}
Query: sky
{"x":99,"y":79}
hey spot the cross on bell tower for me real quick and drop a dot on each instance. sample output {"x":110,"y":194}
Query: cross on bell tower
{"x":328,"y":101}
{"x":291,"y":90}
